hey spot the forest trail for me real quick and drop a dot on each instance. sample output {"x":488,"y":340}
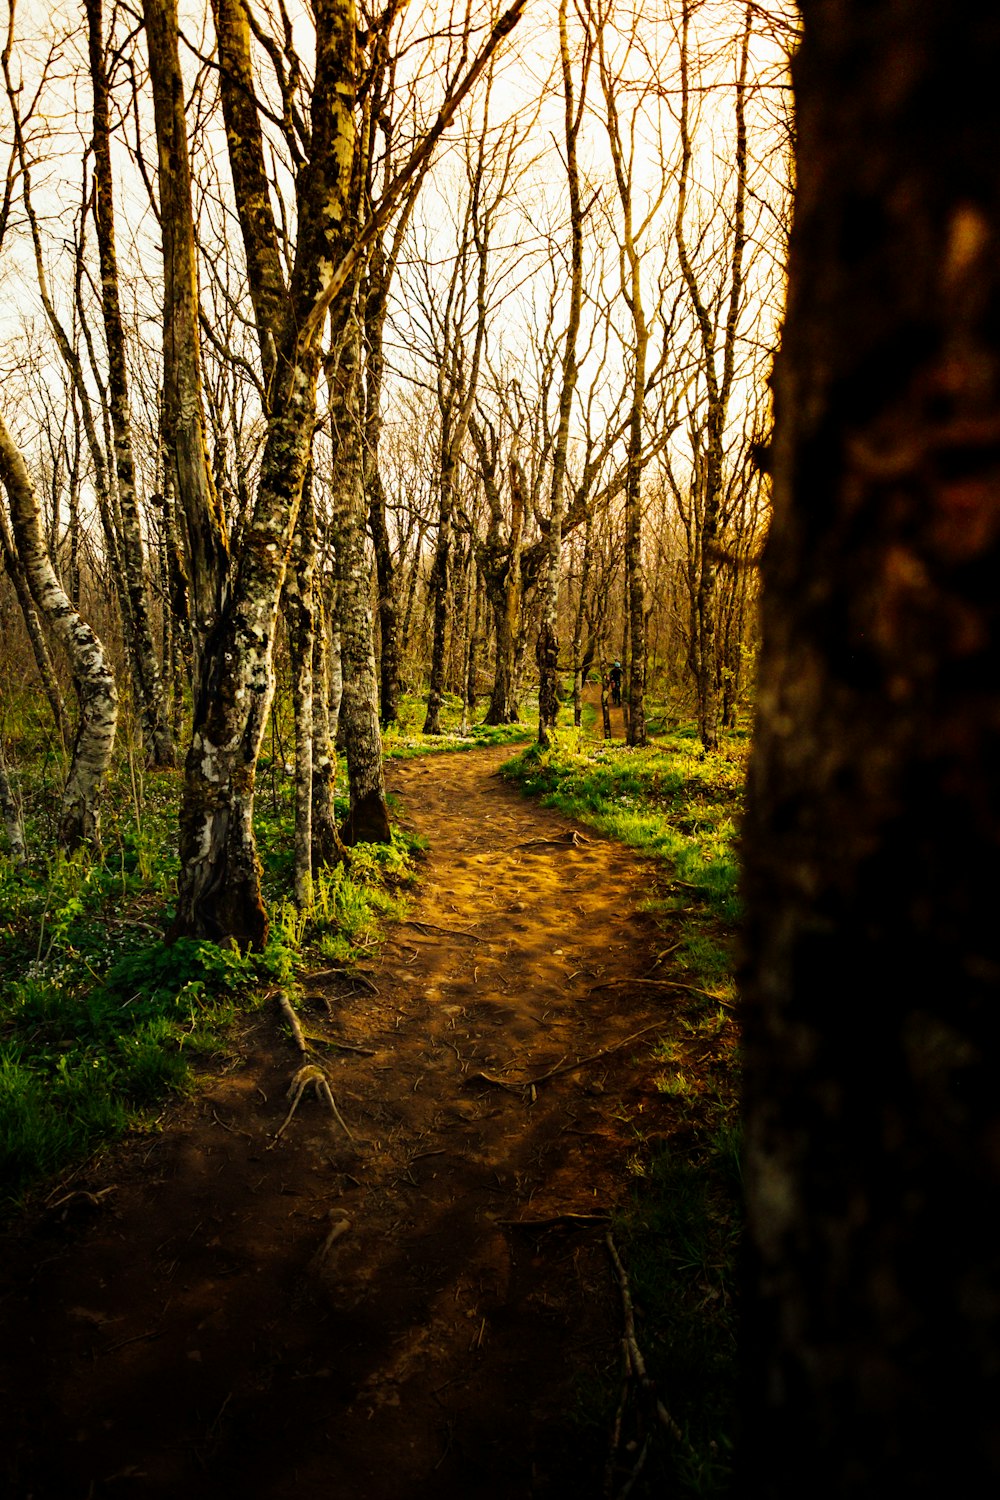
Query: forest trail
{"x":391,"y":1316}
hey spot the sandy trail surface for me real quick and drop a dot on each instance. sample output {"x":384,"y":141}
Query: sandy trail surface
{"x":411,"y":1313}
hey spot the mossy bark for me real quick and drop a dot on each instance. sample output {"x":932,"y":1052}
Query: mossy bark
{"x":872,"y":978}
{"x":219,"y":883}
{"x":368,"y":818}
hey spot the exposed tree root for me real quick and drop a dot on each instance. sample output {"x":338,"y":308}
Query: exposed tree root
{"x":341,"y":1225}
{"x":311,"y":1076}
{"x":285,"y":1006}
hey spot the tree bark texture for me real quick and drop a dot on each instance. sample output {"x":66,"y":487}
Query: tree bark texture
{"x":500,"y":560}
{"x":327,"y":848}
{"x":872,"y":1326}
{"x":718,"y":367}
{"x":152,"y":698}
{"x":202,"y":522}
{"x":36,"y":635}
{"x":299,"y":607}
{"x":368,"y":818}
{"x":547,"y":650}
{"x":219,"y":883}
{"x":10,"y":812}
{"x":79,"y":815}
{"x":376,"y":291}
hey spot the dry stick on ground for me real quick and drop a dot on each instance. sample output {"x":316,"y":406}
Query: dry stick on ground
{"x":616,"y":1428}
{"x":635,"y":1353}
{"x":518,"y":1087}
{"x":574,"y":1220}
{"x":431,"y":927}
{"x":673,"y":984}
{"x":330,"y":1041}
{"x":80,"y":1199}
{"x":354,"y":975}
{"x":576,"y":840}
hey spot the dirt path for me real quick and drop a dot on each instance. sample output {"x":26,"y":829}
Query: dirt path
{"x":190,"y":1335}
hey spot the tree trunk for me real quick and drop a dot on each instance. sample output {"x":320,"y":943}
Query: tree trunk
{"x":200,"y":516}
{"x":36,"y":635}
{"x":719,"y":383}
{"x":547,"y":651}
{"x":503,"y":599}
{"x":149,"y":684}
{"x":388,"y":609}
{"x":79,"y":817}
{"x":439,"y":588}
{"x":219,"y":883}
{"x":872,"y":1324}
{"x":368,"y":819}
{"x":579,"y":665}
{"x":10,"y":811}
{"x":327,"y":848}
{"x":299,"y":607}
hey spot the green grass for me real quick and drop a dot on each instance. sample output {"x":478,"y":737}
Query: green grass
{"x":100,"y":1021}
{"x":679,"y":1237}
{"x":669,"y":801}
{"x":406,"y":738}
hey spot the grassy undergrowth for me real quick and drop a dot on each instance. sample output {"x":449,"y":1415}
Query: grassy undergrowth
{"x":406,"y":738}
{"x":100,"y":1021}
{"x":679,"y":1239}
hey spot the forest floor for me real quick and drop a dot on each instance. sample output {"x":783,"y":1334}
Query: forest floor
{"x":422,"y":1309}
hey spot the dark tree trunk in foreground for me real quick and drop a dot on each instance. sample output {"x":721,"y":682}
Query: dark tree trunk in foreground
{"x":872,"y":1338}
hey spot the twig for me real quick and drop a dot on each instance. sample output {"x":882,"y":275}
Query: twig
{"x":571,"y":839}
{"x":635,"y":1353}
{"x":583,"y":1062}
{"x":285,"y":1006}
{"x":520,"y":1086}
{"x":345,"y":973}
{"x":329,"y":1041}
{"x":497,"y":1083}
{"x":671,"y":984}
{"x":231,"y":1128}
{"x":430,"y":927}
{"x":571,"y":1219}
{"x":137,"y":1338}
{"x":92,"y":1200}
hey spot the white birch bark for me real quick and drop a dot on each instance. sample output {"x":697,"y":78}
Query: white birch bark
{"x":79,"y":819}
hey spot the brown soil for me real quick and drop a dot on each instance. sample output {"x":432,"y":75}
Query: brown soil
{"x":187,"y":1333}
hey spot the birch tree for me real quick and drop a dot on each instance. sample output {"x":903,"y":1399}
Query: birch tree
{"x":93,"y":679}
{"x":219,"y":887}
